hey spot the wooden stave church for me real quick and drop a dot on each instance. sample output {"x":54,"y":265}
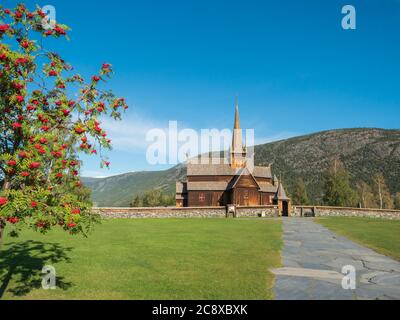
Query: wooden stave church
{"x":231,"y":183}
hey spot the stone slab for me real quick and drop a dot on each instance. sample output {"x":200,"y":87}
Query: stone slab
{"x":313,"y":257}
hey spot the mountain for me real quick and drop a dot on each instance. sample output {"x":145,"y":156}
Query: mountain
{"x":118,"y":191}
{"x":363,"y":151}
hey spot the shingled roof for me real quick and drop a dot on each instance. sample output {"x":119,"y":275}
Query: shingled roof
{"x":281,"y":194}
{"x":207,"y":186}
{"x":266,"y":187}
{"x":223,"y":170}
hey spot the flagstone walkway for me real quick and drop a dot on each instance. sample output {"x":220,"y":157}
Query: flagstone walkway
{"x":313,"y":258}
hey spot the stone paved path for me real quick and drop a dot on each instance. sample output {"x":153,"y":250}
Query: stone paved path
{"x":313,"y":258}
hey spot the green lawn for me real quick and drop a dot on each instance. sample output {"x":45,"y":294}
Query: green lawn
{"x":378,"y":234}
{"x":147,"y":259}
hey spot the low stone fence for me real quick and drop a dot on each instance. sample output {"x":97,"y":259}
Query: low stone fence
{"x":253,"y":211}
{"x":174,"y":212}
{"x":324,"y":211}
{"x":257,"y":211}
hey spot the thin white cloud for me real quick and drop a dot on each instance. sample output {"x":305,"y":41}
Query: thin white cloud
{"x":129,"y":134}
{"x":100,"y":174}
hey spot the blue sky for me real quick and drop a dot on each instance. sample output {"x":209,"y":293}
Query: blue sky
{"x":295,"y":69}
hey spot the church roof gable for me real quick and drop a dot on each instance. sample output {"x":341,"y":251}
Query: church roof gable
{"x":243,"y":172}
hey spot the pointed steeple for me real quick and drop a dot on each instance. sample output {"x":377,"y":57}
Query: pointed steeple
{"x":276,"y":181}
{"x":237,"y":119}
{"x":281,"y":193}
{"x":238,"y":152}
{"x":237,"y":143}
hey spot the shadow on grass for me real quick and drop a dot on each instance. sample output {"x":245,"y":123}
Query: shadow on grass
{"x":23,"y":262}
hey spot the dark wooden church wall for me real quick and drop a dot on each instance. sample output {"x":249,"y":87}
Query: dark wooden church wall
{"x":206,"y":198}
{"x":266,"y":198}
{"x":246,"y":196}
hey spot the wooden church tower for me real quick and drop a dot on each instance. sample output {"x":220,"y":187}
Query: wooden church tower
{"x":238,"y":151}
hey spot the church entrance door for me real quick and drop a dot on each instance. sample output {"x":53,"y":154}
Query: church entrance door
{"x":285,"y":209}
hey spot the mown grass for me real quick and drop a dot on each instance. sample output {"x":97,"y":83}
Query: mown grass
{"x":147,"y":259}
{"x":380,"y":235}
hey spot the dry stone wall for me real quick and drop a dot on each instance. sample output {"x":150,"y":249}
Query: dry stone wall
{"x":323,"y":211}
{"x":173,"y":212}
{"x":255,"y":211}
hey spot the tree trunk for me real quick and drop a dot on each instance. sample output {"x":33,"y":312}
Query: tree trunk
{"x":2,"y":227}
{"x":6,"y":186}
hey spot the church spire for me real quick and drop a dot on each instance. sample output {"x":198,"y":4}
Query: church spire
{"x":237,"y":120}
{"x":237,"y":143}
{"x":238,"y":153}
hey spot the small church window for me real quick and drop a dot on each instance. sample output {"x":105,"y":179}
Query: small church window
{"x":246,"y":194}
{"x":202,"y":197}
